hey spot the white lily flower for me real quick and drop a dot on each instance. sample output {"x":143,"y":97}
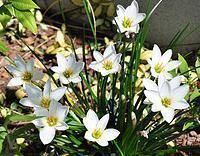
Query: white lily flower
{"x":128,"y":19}
{"x":96,"y":131}
{"x":166,"y":96}
{"x":51,"y":121}
{"x":108,"y":63}
{"x":42,"y":99}
{"x":161,"y":64}
{"x":23,"y":72}
{"x":68,"y":69}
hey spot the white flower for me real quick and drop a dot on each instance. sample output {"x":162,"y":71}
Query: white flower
{"x":107,"y":63}
{"x":42,"y":99}
{"x":128,"y":19}
{"x":161,"y":64}
{"x":51,"y":121}
{"x":23,"y":72}
{"x":166,"y":96}
{"x":68,"y":69}
{"x":96,"y":131}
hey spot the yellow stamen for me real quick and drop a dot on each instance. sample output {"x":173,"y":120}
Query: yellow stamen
{"x":107,"y":65}
{"x":68,"y":73}
{"x":166,"y":102}
{"x":52,"y":121}
{"x":27,"y":76}
{"x":45,"y":102}
{"x":127,"y":22}
{"x":159,"y":68}
{"x":97,"y":133}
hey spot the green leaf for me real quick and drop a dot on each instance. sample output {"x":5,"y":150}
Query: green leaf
{"x":184,"y":65}
{"x":197,"y":64}
{"x":3,"y":134}
{"x":27,"y":19}
{"x":24,"y":4}
{"x":4,"y":19}
{"x":188,"y":125}
{"x":3,"y":47}
{"x":22,"y":118}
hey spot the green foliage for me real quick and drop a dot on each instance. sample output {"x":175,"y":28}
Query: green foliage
{"x":3,"y":134}
{"x":3,"y":47}
{"x":184,"y":65}
{"x":27,"y":19}
{"x":24,"y":4}
{"x":197,"y":65}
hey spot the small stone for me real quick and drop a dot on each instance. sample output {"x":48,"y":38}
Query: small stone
{"x":193,"y":133}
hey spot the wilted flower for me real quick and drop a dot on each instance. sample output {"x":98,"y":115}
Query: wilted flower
{"x":108,"y":63}
{"x":23,"y":72}
{"x":68,"y":69}
{"x":166,"y":96}
{"x":128,"y":19}
{"x":161,"y":64}
{"x":42,"y":99}
{"x":51,"y":121}
{"x":96,"y":131}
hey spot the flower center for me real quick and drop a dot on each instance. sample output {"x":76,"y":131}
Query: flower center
{"x":107,"y":65}
{"x":27,"y":76}
{"x":97,"y":133}
{"x":166,"y":102}
{"x":52,"y":121}
{"x":68,"y":73}
{"x":159,"y":67}
{"x":45,"y":102}
{"x":127,"y":22}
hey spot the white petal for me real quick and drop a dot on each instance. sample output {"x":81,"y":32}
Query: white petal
{"x":182,"y":104}
{"x":105,"y":72}
{"x":168,"y":114}
{"x":75,"y":79}
{"x":94,"y":65}
{"x":109,"y":51}
{"x":120,"y":11}
{"x":175,"y":82}
{"x":70,"y":60}
{"x":166,"y":57}
{"x":16,"y":81}
{"x":98,"y":56}
{"x":88,"y":136}
{"x":156,"y":55}
{"x":41,"y":111}
{"x":78,"y":67}
{"x":29,"y":65}
{"x":139,"y":18}
{"x":58,"y":93}
{"x":39,"y":122}
{"x":57,"y":69}
{"x":165,"y":90}
{"x":20,"y":63}
{"x":149,"y":84}
{"x":47,"y":134}
{"x":54,"y":107}
{"x":62,"y":112}
{"x":63,"y":79}
{"x":132,"y":10}
{"x":102,"y":142}
{"x":103,"y":122}
{"x":156,"y":107}
{"x":147,"y":102}
{"x":33,"y":92}
{"x":61,"y":60}
{"x":27,"y":102}
{"x":180,"y":92}
{"x":37,"y":75}
{"x":110,"y":134}
{"x":91,"y":120}
{"x":62,"y":127}
{"x":47,"y":89}
{"x":13,"y":70}
{"x":161,"y":80}
{"x":152,"y":96}
{"x":172,"y":65}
